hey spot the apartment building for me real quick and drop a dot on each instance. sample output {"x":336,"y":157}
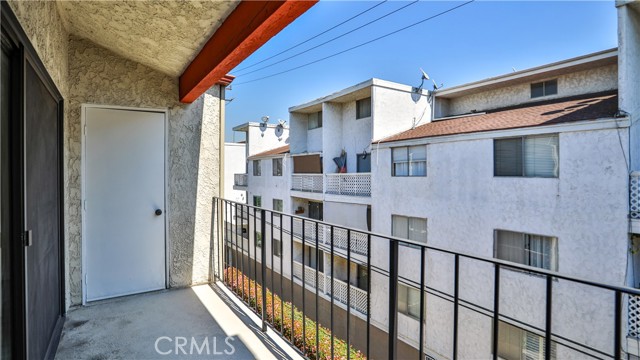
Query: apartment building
{"x":531,"y":167}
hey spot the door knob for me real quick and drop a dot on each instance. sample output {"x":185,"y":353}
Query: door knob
{"x":158,"y":212}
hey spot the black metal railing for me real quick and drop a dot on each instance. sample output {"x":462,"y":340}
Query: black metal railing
{"x":588,"y":320}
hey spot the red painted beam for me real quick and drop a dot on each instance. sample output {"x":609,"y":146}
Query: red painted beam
{"x":249,"y":26}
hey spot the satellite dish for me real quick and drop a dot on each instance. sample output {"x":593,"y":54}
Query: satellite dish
{"x":424,"y":75}
{"x":280,"y":129}
{"x":263,"y":125}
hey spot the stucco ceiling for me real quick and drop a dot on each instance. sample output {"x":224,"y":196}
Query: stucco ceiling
{"x":164,"y":35}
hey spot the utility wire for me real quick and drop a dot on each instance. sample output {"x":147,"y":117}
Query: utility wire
{"x":357,"y":46}
{"x":313,"y":37}
{"x":330,"y":40}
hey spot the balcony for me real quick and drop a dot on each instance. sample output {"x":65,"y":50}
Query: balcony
{"x":309,"y":231}
{"x":309,"y":276}
{"x":483,"y":293}
{"x":634,"y":201}
{"x":307,"y":183}
{"x":240,"y":181}
{"x":204,"y":321}
{"x":350,"y":184}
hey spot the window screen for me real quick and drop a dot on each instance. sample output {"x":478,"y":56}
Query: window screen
{"x":276,"y":165}
{"x":409,"y":301}
{"x":409,"y":228}
{"x":257,"y":168}
{"x":363,"y":108}
{"x":544,"y":88}
{"x":277,"y":205}
{"x":527,"y":249}
{"x":409,"y":161}
{"x":530,"y":156}
{"x":257,"y":201}
{"x":515,"y":343}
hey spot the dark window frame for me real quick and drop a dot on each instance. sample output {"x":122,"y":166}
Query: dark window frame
{"x":276,"y":167}
{"x":368,"y":113}
{"x":257,"y":167}
{"x":523,"y":155}
{"x":547,"y":87}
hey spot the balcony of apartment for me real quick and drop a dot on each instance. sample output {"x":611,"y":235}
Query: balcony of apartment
{"x":634,"y":202}
{"x":350,"y":187}
{"x":382,"y":297}
{"x":307,"y":186}
{"x":240,"y":181}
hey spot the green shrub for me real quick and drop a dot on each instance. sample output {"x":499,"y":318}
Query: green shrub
{"x":251,"y":293}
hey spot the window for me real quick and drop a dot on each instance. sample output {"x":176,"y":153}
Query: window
{"x":409,"y":161}
{"x":363,"y":108}
{"x":257,"y":168}
{"x":515,"y":343}
{"x":277,"y":247}
{"x":257,"y":201}
{"x":363,"y":163}
{"x":533,"y":250}
{"x":276,"y":165}
{"x":544,"y":88}
{"x":528,"y":156}
{"x":409,"y":228}
{"x":409,"y":301}
{"x":315,"y":120}
{"x":277,"y":205}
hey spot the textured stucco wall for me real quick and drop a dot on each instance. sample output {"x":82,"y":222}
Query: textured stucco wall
{"x":271,"y":187}
{"x":260,"y":141}
{"x":165,"y":35}
{"x":585,"y":208}
{"x":395,"y":110}
{"x":235,"y":160}
{"x":43,"y":25}
{"x":99,"y":76}
{"x":581,"y":82}
{"x":298,"y":131}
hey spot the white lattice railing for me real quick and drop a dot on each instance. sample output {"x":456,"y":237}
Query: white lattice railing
{"x":306,"y":182}
{"x":358,"y":240}
{"x":309,"y":231}
{"x":354,"y":184}
{"x":309,"y":276}
{"x":634,"y":195}
{"x":634,"y":317}
{"x":358,"y":296}
{"x":240,"y":179}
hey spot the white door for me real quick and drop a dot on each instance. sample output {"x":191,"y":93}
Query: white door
{"x":124,"y":195}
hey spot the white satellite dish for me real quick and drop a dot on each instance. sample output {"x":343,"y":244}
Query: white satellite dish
{"x":263,"y":125}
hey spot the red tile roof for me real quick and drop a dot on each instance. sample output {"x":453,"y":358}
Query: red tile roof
{"x":577,"y":108}
{"x":276,"y":151}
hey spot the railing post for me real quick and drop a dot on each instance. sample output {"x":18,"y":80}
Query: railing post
{"x":263,"y":257}
{"x":393,"y":299}
{"x":548,"y":324}
{"x":617,"y":338}
{"x":496,"y":310}
{"x":456,"y":293}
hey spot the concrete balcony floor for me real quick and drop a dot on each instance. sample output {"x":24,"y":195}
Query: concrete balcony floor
{"x":150,"y":326}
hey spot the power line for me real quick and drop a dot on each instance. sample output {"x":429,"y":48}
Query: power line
{"x":357,"y":46}
{"x":313,"y":37}
{"x":330,"y":40}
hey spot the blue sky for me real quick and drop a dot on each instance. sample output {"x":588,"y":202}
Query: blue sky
{"x":476,"y":41}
